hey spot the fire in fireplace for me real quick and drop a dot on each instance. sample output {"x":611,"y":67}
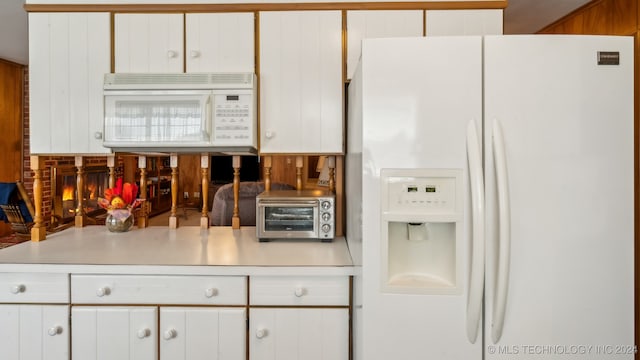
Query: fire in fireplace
{"x":64,"y":194}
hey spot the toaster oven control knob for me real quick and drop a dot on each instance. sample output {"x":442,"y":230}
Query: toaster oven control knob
{"x":326,"y":205}
{"x":326,"y":228}
{"x":326,"y":216}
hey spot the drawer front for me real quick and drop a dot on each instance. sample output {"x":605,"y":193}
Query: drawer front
{"x":299,"y":291}
{"x":34,"y":288}
{"x":128,"y":289}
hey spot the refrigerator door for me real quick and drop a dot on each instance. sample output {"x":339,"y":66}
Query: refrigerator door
{"x":559,"y":142}
{"x":418,"y":97}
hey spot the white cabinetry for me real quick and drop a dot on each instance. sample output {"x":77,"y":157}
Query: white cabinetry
{"x":69,"y":53}
{"x":105,"y":329}
{"x":220,"y":42}
{"x":366,"y":24}
{"x":32,"y":330}
{"x":149,"y":43}
{"x":132,"y":332}
{"x":463,"y":22}
{"x":301,"y":83}
{"x":295,"y":318}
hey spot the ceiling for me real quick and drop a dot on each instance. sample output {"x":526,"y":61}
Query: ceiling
{"x":520,"y":17}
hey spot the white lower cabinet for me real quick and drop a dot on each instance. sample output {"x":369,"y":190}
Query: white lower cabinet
{"x":34,"y":316}
{"x":158,"y":317}
{"x":299,"y":318}
{"x":183,"y":333}
{"x":34,"y":332}
{"x":299,"y":333}
{"x":203,"y":333}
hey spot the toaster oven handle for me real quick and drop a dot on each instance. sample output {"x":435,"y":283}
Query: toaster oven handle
{"x":263,"y":203}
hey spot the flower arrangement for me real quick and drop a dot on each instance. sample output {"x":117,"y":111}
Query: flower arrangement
{"x":119,"y":202}
{"x":121,"y":197}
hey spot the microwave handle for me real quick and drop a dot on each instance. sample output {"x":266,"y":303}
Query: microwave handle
{"x":284,"y":203}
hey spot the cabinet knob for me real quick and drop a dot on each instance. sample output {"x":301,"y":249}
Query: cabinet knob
{"x":172,"y":54}
{"x":194,"y":54}
{"x":143,"y":333}
{"x":300,"y":291}
{"x":170,"y":334}
{"x":53,"y":331}
{"x":260,"y":333}
{"x":269,"y":134}
{"x":103,"y":291}
{"x":97,"y":135}
{"x":19,"y":288}
{"x":211,"y":292}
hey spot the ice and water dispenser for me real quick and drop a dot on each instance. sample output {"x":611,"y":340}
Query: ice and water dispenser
{"x":422,"y":222}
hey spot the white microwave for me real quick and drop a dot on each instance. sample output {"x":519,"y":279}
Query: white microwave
{"x":201,"y":112}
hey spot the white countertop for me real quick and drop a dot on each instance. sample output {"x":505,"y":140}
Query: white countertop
{"x":188,"y":250}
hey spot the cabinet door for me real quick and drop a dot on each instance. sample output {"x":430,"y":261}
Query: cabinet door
{"x":34,"y":332}
{"x":149,"y":43}
{"x":106,"y":333}
{"x":299,"y":334}
{"x":203,"y":333}
{"x":220,"y":42}
{"x":463,"y":22}
{"x":301,"y":82}
{"x":69,"y":53}
{"x":379,"y":24}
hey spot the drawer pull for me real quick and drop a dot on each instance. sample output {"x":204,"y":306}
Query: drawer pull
{"x":17,"y":289}
{"x":300,"y":292}
{"x":53,"y":331}
{"x":103,"y":291}
{"x":260,"y":333}
{"x":170,"y":334}
{"x":143,"y":333}
{"x":172,"y":54}
{"x":211,"y":292}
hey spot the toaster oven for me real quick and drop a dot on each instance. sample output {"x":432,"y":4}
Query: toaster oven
{"x":295,"y":214}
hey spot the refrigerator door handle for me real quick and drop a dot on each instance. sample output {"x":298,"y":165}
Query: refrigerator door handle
{"x":502,"y":283}
{"x":476,"y":281}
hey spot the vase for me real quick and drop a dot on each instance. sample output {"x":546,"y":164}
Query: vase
{"x":119,"y":220}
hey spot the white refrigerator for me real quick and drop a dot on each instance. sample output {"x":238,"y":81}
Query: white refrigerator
{"x":490,"y":198}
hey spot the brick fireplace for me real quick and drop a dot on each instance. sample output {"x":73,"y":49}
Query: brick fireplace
{"x":64,"y":194}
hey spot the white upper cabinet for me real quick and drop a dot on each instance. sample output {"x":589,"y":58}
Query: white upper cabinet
{"x":69,"y":53}
{"x":367,"y":24}
{"x":149,"y":43}
{"x":216,"y":42}
{"x":301,"y":84}
{"x":220,"y":42}
{"x":463,"y":22}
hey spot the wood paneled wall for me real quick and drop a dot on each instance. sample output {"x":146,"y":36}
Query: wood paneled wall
{"x":613,"y":17}
{"x":11,"y":106}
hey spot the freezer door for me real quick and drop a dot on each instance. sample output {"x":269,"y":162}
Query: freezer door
{"x":559,"y":169}
{"x":419,"y":96}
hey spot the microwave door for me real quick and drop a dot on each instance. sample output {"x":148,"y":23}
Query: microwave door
{"x":289,"y":219}
{"x":159,"y":117}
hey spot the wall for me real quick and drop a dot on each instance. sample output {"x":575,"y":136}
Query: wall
{"x":612,"y":17}
{"x":11,"y":108}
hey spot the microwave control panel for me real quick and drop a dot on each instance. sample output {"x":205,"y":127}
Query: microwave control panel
{"x":233,"y":119}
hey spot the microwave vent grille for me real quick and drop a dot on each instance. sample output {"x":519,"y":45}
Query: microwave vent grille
{"x":178,"y":81}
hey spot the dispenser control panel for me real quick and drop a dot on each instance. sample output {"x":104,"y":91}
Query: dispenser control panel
{"x":426,"y":191}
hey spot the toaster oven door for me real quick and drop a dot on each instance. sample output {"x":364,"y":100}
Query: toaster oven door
{"x":288,"y":219}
